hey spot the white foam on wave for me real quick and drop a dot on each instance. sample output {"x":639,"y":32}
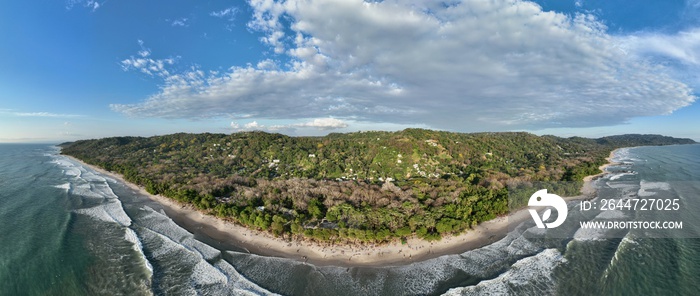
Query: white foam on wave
{"x":65,"y":187}
{"x":207,"y":252}
{"x":218,"y":278}
{"x":620,"y":175}
{"x":69,"y":168}
{"x":72,"y":171}
{"x":104,"y":189}
{"x":626,"y":157}
{"x":78,"y":171}
{"x":173,"y":260}
{"x":85,"y":190}
{"x":96,"y":189}
{"x":524,"y":272}
{"x":88,"y":184}
{"x":206,"y":274}
{"x":590,"y":234}
{"x":344,"y":280}
{"x":620,"y":154}
{"x":625,"y":244}
{"x":620,"y":185}
{"x":173,"y":242}
{"x":646,"y":188}
{"x":165,"y":226}
{"x":111,"y":211}
{"x":611,"y":215}
{"x":90,"y":176}
{"x":424,"y":277}
{"x":514,"y":244}
{"x":237,"y":283}
{"x":131,"y":236}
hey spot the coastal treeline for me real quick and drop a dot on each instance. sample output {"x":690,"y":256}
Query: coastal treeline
{"x":361,"y":187}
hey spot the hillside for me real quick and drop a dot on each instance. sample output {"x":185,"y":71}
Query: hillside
{"x":364,"y":186}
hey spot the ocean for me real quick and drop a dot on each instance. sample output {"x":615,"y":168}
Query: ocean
{"x":68,"y":230}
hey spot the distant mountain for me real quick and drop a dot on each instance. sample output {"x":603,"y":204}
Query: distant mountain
{"x":366,"y":186}
{"x":642,"y":140}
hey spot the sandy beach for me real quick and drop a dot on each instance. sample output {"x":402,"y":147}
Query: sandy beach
{"x":323,"y":254}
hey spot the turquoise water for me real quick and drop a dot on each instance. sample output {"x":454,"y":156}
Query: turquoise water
{"x":644,"y":262}
{"x":576,"y":261}
{"x":67,"y":230}
{"x":39,"y":251}
{"x":47,"y":247}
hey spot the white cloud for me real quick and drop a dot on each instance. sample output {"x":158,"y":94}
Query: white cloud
{"x":181,"y":22}
{"x":146,"y":65}
{"x":45,"y":114}
{"x":324,"y":123}
{"x":683,"y":47}
{"x":253,"y":125}
{"x":92,"y":5}
{"x":144,"y":52}
{"x":472,"y":65}
{"x":228,"y":13}
{"x":681,"y":51}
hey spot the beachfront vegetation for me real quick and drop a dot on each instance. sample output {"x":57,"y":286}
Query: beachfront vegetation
{"x":359,"y":187}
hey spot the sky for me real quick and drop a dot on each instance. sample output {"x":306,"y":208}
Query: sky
{"x":80,"y":69}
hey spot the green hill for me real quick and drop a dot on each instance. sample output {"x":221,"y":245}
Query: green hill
{"x":366,"y":186}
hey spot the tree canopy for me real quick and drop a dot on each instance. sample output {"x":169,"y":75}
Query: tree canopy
{"x":362,"y":186}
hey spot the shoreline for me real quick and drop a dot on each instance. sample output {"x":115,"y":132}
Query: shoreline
{"x":588,"y":189}
{"x":344,"y":255}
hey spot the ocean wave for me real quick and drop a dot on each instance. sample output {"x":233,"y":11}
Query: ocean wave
{"x":646,"y":188}
{"x":85,"y":190}
{"x":626,"y":243}
{"x":78,"y":171}
{"x":620,"y":154}
{"x":69,"y":168}
{"x":111,"y":211}
{"x":590,"y":234}
{"x":163,"y":225}
{"x":131,"y":236}
{"x":419,"y":278}
{"x":185,"y":271}
{"x":65,"y":186}
{"x":425,"y":277}
{"x":620,"y":175}
{"x":612,"y":214}
{"x":626,"y":156}
{"x":87,"y":184}
{"x":480,"y":263}
{"x":206,"y":274}
{"x":529,"y":275}
{"x":237,"y":284}
{"x":622,"y":185}
{"x":185,"y":266}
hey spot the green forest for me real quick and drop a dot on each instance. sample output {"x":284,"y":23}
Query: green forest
{"x":358,"y":187}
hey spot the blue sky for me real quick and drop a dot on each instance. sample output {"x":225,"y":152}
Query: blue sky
{"x":87,"y":69}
